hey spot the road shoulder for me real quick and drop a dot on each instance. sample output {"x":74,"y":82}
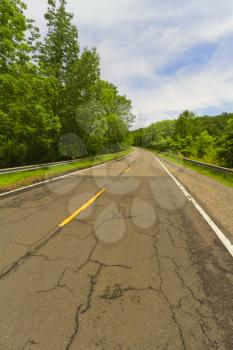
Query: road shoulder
{"x":214,"y":197}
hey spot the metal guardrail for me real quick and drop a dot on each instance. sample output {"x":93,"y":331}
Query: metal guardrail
{"x":38,"y":166}
{"x":205,"y":165}
{"x":35,"y":167}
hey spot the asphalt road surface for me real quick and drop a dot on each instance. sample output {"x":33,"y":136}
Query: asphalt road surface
{"x":137,"y":269}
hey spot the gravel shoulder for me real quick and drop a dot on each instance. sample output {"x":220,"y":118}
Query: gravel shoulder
{"x":215,"y":198}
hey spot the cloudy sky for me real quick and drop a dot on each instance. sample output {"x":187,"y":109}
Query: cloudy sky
{"x":165,"y":55}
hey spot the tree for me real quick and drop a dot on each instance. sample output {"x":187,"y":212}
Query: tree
{"x":203,"y":144}
{"x":28,"y":126}
{"x":114,"y":103}
{"x":13,"y":26}
{"x":60,"y":49}
{"x":116,"y":132}
{"x":92,"y":125}
{"x":59,"y":54}
{"x":185,"y":124}
{"x":80,"y":90}
{"x":29,"y":129}
{"x":53,"y":103}
{"x":117,"y":111}
{"x":33,"y":40}
{"x":226,"y":150}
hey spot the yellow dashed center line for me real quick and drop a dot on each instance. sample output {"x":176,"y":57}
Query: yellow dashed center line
{"x":87,"y":204}
{"x":127,"y":170}
{"x":84,"y":207}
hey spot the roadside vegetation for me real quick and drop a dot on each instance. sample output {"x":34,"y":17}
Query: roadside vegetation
{"x":225,"y":179}
{"x":24,"y":178}
{"x":53,"y":103}
{"x":207,"y":139}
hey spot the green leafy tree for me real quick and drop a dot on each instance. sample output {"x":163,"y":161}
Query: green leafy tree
{"x":53,"y":103}
{"x":118,"y":112}
{"x":185,"y":132}
{"x":185,"y":124}
{"x":226,"y":141}
{"x":92,"y":125}
{"x":13,"y":26}
{"x":114,"y":103}
{"x":116,"y":133}
{"x":33,"y":40}
{"x":32,"y":128}
{"x":80,"y":91}
{"x":60,"y":49}
{"x":203,"y":144}
{"x":205,"y":138}
{"x":29,"y":128}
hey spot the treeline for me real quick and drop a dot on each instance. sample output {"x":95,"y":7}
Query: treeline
{"x":209,"y":139}
{"x":53,"y":103}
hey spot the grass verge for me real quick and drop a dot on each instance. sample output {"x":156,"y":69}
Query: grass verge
{"x":16,"y":180}
{"x":225,"y":179}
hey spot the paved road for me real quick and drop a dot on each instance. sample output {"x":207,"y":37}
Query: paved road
{"x":139,"y":269}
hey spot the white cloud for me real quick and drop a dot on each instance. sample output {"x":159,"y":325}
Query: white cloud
{"x":136,"y":39}
{"x":210,"y":86}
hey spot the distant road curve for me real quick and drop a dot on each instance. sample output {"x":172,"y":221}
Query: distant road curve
{"x":37,"y":166}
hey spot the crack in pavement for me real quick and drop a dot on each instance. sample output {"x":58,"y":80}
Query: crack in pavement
{"x":119,"y":292}
{"x":170,"y":260}
{"x":110,"y":265}
{"x":201,"y":261}
{"x":47,"y":259}
{"x":76,"y":328}
{"x":93,"y":281}
{"x":203,"y":326}
{"x":29,"y":342}
{"x":38,"y":208}
{"x":15,"y":243}
{"x":14,"y":266}
{"x":78,"y":269}
{"x":219,"y":304}
{"x":82,"y":309}
{"x":176,"y":271}
{"x":59,"y":284}
{"x":162,"y":292}
{"x":120,"y":217}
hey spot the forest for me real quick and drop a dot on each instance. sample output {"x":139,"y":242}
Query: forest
{"x":209,"y":139}
{"x":53,"y":103}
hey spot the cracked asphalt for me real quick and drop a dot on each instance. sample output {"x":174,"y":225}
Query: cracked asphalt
{"x":139,"y":269}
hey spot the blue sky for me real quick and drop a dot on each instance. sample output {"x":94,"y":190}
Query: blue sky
{"x":165,"y":55}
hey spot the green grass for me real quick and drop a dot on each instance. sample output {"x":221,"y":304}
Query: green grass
{"x":24,"y":178}
{"x":225,"y":179}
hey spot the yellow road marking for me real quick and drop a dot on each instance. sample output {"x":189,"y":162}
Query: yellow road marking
{"x":84,"y":207}
{"x":128,"y":169}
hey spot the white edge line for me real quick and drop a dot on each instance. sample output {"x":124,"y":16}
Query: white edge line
{"x":62,"y":177}
{"x":206,"y":217}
